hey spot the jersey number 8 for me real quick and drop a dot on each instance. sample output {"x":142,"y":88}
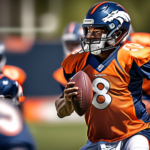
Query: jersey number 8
{"x":101,"y":92}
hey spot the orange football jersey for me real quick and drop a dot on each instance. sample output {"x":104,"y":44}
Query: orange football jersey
{"x":116,"y":111}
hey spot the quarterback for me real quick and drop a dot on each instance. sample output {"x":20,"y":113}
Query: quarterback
{"x":117,"y":118}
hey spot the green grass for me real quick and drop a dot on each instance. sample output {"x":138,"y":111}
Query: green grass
{"x":58,"y":136}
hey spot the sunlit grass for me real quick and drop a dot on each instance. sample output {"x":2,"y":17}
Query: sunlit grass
{"x":58,"y":136}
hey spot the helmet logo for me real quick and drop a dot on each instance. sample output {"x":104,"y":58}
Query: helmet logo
{"x":121,"y":16}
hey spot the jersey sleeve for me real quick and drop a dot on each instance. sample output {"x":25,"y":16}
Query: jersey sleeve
{"x":145,"y":69}
{"x":74,"y":62}
{"x":143,"y":61}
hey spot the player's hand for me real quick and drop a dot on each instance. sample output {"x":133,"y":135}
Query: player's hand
{"x":70,"y":91}
{"x":64,"y":104}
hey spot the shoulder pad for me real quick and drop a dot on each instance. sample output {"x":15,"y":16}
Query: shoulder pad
{"x":139,"y":53}
{"x":14,"y":73}
{"x":59,"y":76}
{"x":141,"y":38}
{"x":76,"y":60}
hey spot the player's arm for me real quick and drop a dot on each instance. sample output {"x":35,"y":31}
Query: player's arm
{"x":64,"y":104}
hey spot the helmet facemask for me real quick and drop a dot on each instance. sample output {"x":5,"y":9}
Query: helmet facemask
{"x":95,"y":44}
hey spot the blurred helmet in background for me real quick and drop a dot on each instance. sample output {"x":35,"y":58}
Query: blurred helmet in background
{"x":2,"y":56}
{"x":71,"y":37}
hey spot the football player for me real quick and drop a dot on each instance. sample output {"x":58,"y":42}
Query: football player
{"x":12,"y":73}
{"x":117,"y":117}
{"x":70,"y":41}
{"x":14,"y":134}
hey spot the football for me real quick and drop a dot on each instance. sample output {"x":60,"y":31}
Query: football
{"x":82,"y":101}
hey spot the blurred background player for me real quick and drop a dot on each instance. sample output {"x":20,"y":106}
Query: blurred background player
{"x":14,"y":134}
{"x":10,"y":89}
{"x":12,"y":72}
{"x":70,"y":41}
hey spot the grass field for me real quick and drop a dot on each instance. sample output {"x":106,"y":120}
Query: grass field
{"x":58,"y":136}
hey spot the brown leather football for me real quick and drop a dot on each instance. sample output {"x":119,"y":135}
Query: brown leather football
{"x":82,"y":101}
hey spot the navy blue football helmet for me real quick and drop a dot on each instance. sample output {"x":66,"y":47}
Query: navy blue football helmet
{"x":108,"y":15}
{"x":71,"y":37}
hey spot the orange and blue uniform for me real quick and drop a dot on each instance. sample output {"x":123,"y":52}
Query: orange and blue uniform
{"x":143,"y":39}
{"x":17,"y":74}
{"x":116,"y":111}
{"x":14,"y":133}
